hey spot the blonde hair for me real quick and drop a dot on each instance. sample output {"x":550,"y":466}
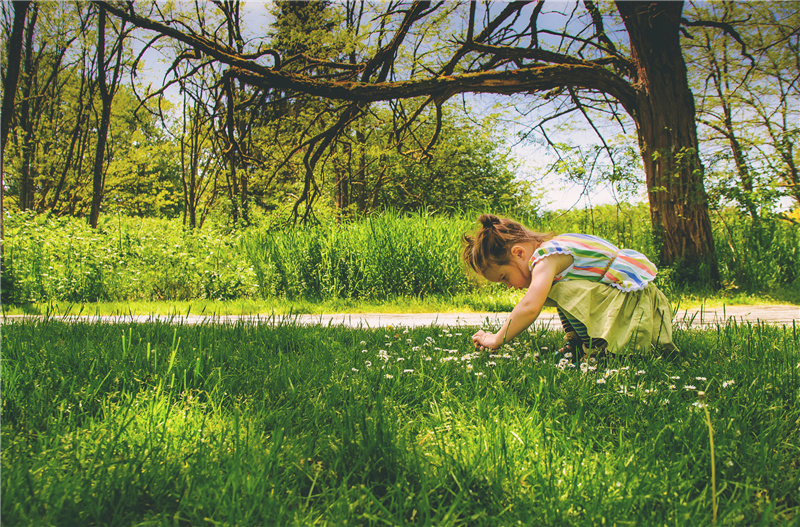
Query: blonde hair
{"x":491,"y":244}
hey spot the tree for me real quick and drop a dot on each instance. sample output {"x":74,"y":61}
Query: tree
{"x":747,"y":88}
{"x":10,"y":78}
{"x":107,"y":90}
{"x":515,"y":51}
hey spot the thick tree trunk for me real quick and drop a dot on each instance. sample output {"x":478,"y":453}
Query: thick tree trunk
{"x":665,"y":120}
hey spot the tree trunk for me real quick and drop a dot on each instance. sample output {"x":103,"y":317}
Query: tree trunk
{"x":14,"y":62}
{"x":26,"y":120}
{"x":665,"y":121}
{"x":107,"y":97}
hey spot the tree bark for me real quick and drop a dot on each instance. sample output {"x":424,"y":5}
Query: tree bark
{"x":665,"y":121}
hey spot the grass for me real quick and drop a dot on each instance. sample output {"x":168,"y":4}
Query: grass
{"x":492,"y":300}
{"x":410,"y":259}
{"x":149,"y":424}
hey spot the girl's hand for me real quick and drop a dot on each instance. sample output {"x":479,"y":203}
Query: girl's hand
{"x":482,"y":340}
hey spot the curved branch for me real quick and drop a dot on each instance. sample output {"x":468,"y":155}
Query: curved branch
{"x":531,"y":79}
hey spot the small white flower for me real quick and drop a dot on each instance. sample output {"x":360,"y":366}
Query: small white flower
{"x":355,"y":369}
{"x":727,"y":384}
{"x":665,"y":402}
{"x":389,"y":376}
{"x":479,"y":374}
{"x":601,"y":381}
{"x":408,"y":371}
{"x":363,"y":342}
{"x":689,"y":387}
{"x":700,"y":378}
{"x":640,"y":372}
{"x":729,"y":463}
{"x":675,"y":377}
{"x":568,"y":355}
{"x":368,"y":363}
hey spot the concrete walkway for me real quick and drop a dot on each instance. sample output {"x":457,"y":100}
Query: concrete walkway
{"x":770,"y":314}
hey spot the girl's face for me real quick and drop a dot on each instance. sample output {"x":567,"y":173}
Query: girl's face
{"x":514,"y":274}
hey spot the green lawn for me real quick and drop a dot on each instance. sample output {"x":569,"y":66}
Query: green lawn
{"x":245,"y":425}
{"x":484,"y":300}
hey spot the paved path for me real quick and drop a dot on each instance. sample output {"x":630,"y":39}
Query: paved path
{"x":771,"y":314}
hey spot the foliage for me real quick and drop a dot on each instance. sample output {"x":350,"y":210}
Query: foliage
{"x":382,"y":256}
{"x":107,"y":424}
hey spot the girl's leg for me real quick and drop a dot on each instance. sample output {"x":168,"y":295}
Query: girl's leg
{"x":576,"y":330}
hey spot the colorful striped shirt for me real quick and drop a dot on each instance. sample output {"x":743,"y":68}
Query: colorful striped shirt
{"x":598,"y":260}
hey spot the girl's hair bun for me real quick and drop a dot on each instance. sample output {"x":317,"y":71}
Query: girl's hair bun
{"x":488,"y":220}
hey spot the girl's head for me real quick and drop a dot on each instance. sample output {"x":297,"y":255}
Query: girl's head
{"x":492,"y":244}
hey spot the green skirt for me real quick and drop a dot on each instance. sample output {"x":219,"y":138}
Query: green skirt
{"x":634,"y":322}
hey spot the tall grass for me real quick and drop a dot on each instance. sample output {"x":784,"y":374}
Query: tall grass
{"x":383,"y":256}
{"x":256,"y":425}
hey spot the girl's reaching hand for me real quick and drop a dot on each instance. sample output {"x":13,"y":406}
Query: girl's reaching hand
{"x":482,"y":340}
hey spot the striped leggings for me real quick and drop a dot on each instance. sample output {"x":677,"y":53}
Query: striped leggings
{"x":573,"y":324}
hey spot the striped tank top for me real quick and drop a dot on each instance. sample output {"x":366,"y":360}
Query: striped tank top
{"x":598,"y":260}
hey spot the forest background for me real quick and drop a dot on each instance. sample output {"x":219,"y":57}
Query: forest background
{"x":213,"y":186}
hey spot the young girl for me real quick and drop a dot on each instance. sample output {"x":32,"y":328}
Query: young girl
{"x":603,"y":294}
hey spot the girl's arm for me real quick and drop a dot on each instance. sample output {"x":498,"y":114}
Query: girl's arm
{"x":528,"y":309}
